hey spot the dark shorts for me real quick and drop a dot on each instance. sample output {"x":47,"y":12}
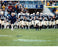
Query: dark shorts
{"x":2,"y":19}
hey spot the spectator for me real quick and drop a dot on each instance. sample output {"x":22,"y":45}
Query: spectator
{"x":53,"y":4}
{"x":3,"y":7}
{"x":10,"y":8}
{"x":48,"y":4}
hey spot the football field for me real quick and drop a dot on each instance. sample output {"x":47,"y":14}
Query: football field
{"x":29,"y":37}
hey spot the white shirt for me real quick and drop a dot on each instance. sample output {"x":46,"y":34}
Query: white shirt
{"x":18,"y":14}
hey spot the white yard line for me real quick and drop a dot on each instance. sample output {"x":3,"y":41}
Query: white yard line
{"x":28,"y":40}
{"x":5,"y":36}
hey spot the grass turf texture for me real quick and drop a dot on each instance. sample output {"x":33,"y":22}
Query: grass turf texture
{"x":31,"y":34}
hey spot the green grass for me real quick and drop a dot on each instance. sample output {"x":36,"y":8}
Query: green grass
{"x":31,"y":34}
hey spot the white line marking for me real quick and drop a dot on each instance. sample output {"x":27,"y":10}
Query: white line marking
{"x":28,"y":40}
{"x":3,"y":35}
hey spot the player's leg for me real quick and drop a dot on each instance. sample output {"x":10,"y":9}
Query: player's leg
{"x":12,"y":27}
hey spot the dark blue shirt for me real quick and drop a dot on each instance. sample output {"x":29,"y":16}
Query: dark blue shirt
{"x":12,"y":19}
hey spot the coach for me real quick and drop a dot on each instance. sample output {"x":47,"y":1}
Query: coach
{"x":12,"y":19}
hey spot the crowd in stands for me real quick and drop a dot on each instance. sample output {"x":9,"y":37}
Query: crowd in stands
{"x":52,"y":3}
{"x":14,"y":15}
